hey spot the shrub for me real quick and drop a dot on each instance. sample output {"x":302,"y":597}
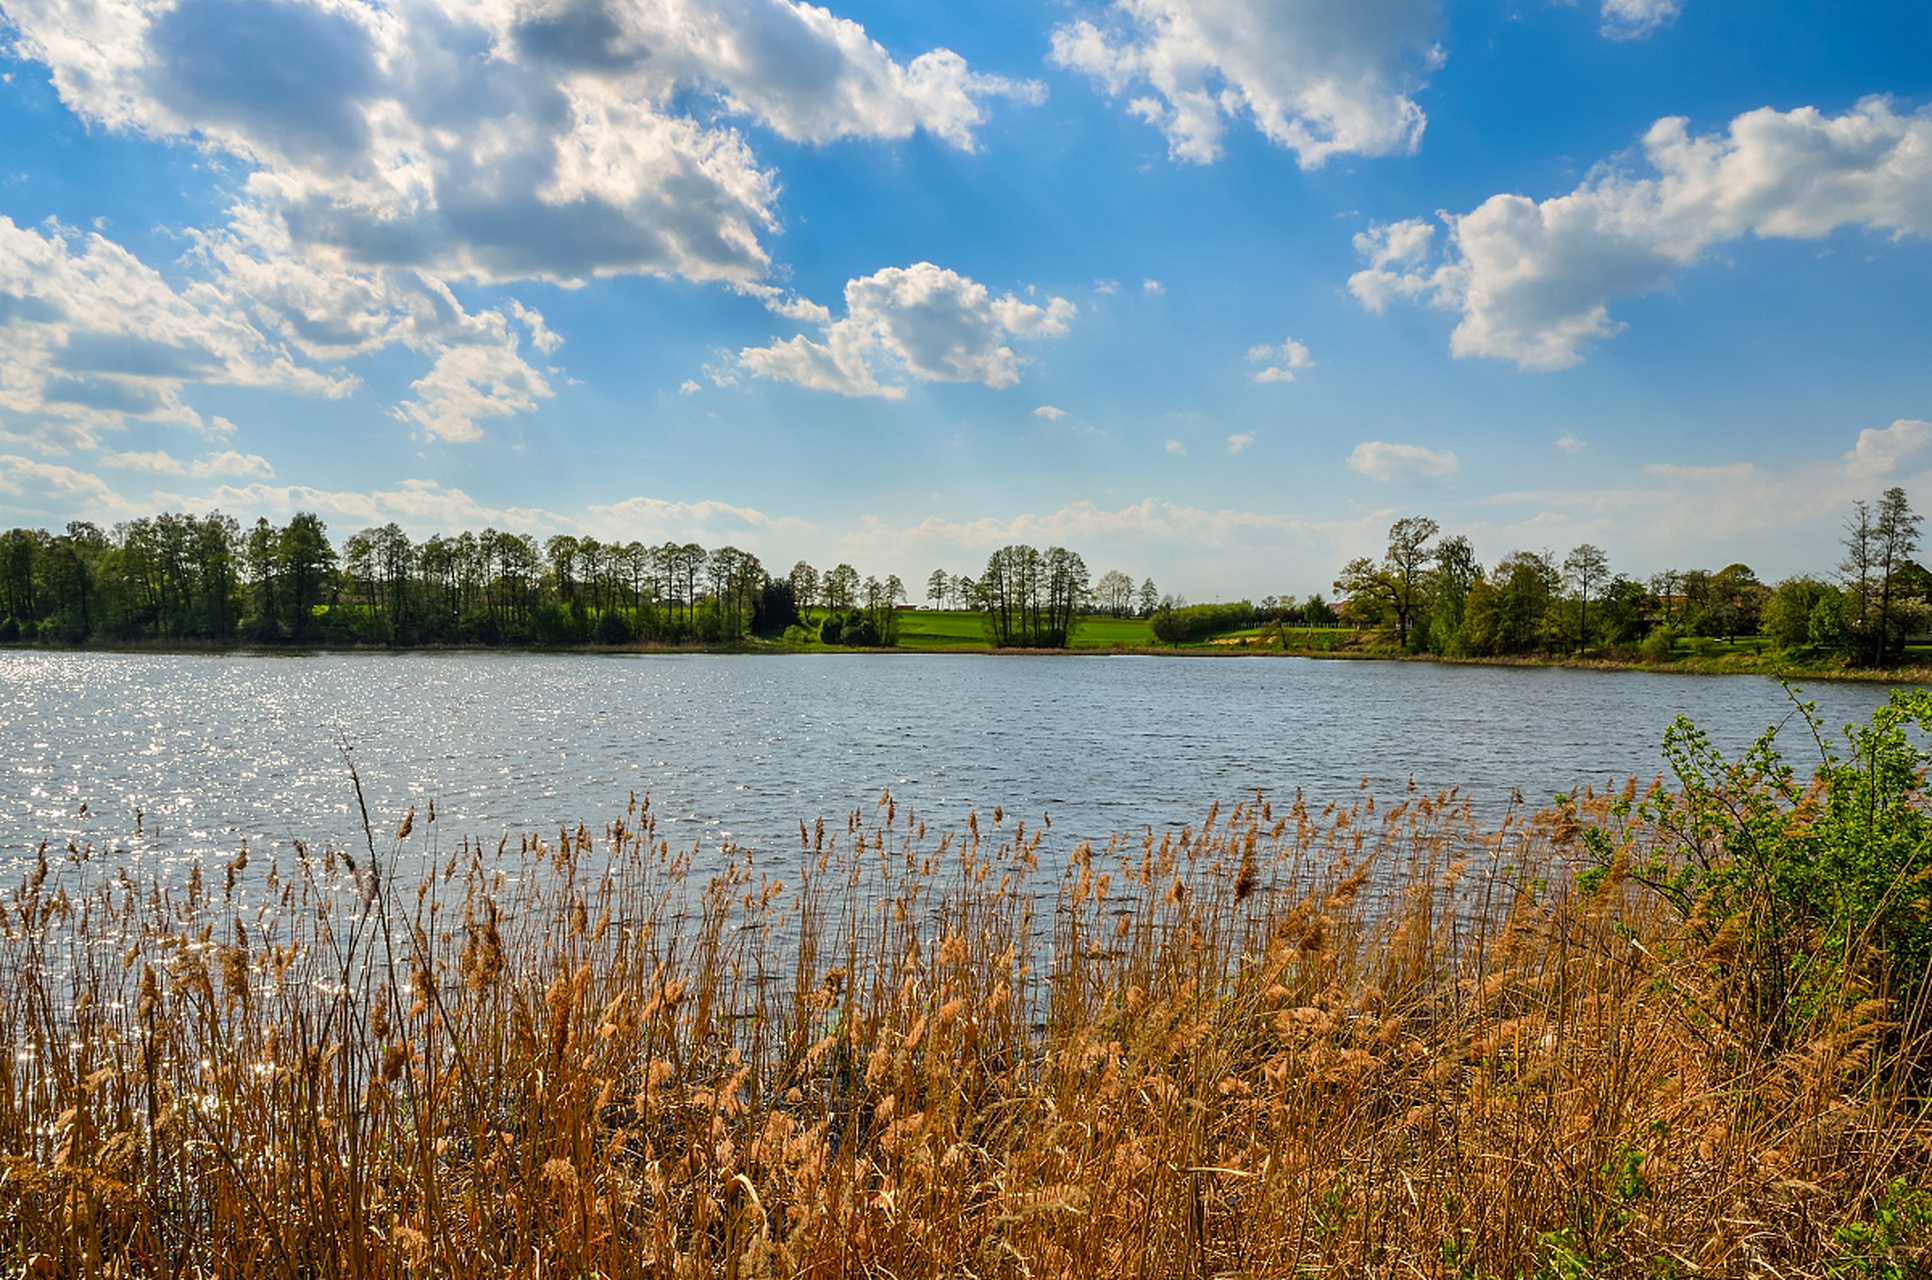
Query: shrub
{"x":612,"y":628}
{"x":1811,"y":894}
{"x":1659,"y":646}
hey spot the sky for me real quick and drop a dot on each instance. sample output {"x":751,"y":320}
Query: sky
{"x":1209,"y":291}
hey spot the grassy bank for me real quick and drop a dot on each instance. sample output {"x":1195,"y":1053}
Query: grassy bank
{"x":1373,"y":1040}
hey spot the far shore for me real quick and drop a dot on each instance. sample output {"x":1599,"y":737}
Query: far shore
{"x":1735,"y":661}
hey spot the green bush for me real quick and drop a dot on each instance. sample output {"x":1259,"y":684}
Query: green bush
{"x":612,"y":628}
{"x":1659,"y":646}
{"x":1812,"y":893}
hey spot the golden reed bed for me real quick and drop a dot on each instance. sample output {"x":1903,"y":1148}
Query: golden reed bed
{"x":1360,"y":1042}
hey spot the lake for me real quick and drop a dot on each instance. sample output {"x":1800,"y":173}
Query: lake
{"x":211,"y":749}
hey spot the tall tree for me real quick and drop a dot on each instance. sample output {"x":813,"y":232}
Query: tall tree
{"x":840,"y":587}
{"x":304,"y":561}
{"x":804,"y":580}
{"x":1895,"y":538}
{"x":1587,"y":569}
{"x":936,"y":584}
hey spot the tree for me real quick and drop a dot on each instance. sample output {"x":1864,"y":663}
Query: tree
{"x":804,"y":580}
{"x":840,"y":587}
{"x":1150,"y":596}
{"x":1114,"y":594}
{"x":1733,"y":601}
{"x":1587,"y":568}
{"x":1895,"y":538}
{"x":1856,"y":571}
{"x":1524,"y":584}
{"x":1031,"y":599}
{"x":304,"y":561}
{"x":1395,"y":589}
{"x":1786,"y":617}
{"x":1668,"y":586}
{"x":937,"y":584}
{"x":1456,"y":572}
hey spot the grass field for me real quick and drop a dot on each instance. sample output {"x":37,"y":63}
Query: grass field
{"x":950,"y":629}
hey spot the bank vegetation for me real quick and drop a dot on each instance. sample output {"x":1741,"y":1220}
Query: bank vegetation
{"x":1667,"y":1030}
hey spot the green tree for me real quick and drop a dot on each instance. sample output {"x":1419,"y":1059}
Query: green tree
{"x":1786,"y":615}
{"x":304,"y":562}
{"x":1394,"y":591}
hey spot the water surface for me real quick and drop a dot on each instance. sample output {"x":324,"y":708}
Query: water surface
{"x":742,"y":748}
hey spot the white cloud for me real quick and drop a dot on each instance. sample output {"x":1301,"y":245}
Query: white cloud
{"x":1082,"y":524}
{"x":1152,"y":288}
{"x":924,"y":321}
{"x":1569,"y":444}
{"x":476,"y":380}
{"x":231,"y":463}
{"x":1239,"y":442}
{"x":1050,"y":413}
{"x":1282,"y":361}
{"x":510,"y":140}
{"x":1878,"y":453}
{"x":689,"y":387}
{"x":1402,"y":463}
{"x":1176,"y":448}
{"x":156,"y":463}
{"x":93,"y":337}
{"x":1715,"y":513}
{"x":1318,"y":79}
{"x":1636,"y":19}
{"x":1106,"y":286}
{"x":1533,"y":281}
{"x":62,"y":491}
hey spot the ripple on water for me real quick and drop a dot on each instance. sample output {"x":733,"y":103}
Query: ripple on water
{"x":208,"y":749}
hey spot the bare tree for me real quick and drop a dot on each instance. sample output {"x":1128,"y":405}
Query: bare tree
{"x":1588,"y":569}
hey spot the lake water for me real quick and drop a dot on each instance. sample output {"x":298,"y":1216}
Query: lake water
{"x":211,"y":749}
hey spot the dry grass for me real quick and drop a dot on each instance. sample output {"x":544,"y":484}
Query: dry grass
{"x":1361,"y":1042}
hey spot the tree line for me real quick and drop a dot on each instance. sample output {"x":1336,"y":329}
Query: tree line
{"x":1430,"y":594}
{"x":208,"y":579}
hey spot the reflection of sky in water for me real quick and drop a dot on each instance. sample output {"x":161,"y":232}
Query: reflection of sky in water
{"x":211,"y":749}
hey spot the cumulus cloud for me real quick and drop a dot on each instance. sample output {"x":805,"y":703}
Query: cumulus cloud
{"x":1569,"y":444}
{"x":1050,"y":413}
{"x":512,"y":140}
{"x":1239,"y":442}
{"x":1176,"y":448}
{"x":1152,"y":288}
{"x":1532,"y":282}
{"x":922,"y":321}
{"x":1402,"y":463}
{"x":95,"y":337}
{"x":1318,"y":79}
{"x":1281,"y":362}
{"x":690,"y":387}
{"x":1879,"y":452}
{"x":1636,"y":19}
{"x":483,"y":377}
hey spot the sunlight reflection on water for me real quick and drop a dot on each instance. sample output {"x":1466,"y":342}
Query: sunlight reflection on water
{"x":209,"y":749}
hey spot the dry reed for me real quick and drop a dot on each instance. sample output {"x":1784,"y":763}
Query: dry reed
{"x":1355,"y":1042}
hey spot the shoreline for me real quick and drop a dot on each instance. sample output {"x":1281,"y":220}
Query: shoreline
{"x":1727,"y":665}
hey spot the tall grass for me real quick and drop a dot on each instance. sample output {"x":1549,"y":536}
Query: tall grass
{"x":1360,"y":1041}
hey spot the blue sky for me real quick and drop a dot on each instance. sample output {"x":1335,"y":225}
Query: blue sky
{"x":1209,"y":290}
